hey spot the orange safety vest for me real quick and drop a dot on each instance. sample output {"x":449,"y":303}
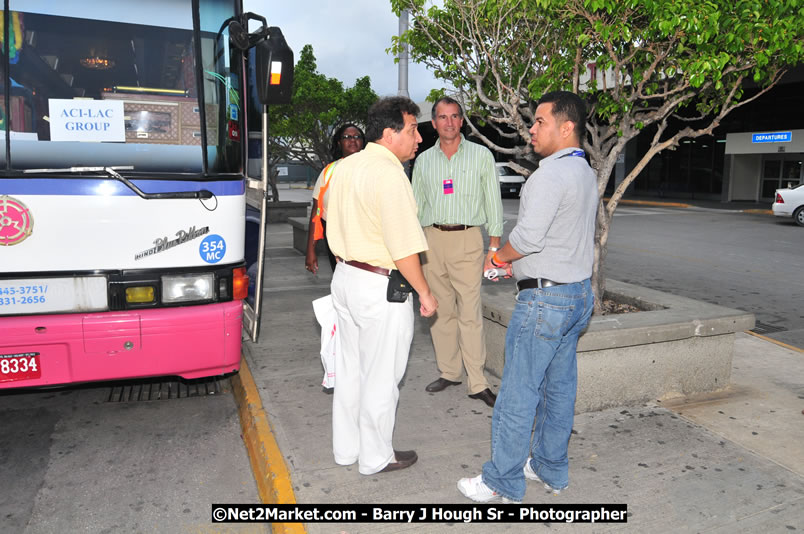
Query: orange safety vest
{"x":318,"y":227}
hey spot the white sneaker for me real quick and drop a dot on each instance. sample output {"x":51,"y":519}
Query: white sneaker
{"x":476,"y":489}
{"x":530,"y":474}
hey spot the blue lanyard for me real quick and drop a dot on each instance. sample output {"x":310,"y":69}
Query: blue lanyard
{"x":578,"y":153}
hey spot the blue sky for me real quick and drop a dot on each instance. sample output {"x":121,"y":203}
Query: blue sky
{"x":349,"y":40}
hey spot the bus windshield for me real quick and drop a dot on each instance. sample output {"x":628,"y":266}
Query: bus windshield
{"x":122,"y":88}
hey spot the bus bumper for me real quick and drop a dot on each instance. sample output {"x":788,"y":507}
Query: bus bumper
{"x":190,"y":342}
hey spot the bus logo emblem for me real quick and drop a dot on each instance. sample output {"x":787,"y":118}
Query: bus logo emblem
{"x":16,"y":222}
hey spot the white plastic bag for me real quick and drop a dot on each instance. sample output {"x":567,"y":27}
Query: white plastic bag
{"x":330,"y":341}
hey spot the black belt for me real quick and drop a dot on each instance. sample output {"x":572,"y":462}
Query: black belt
{"x":368,"y":267}
{"x":452,"y":227}
{"x":537,"y":283}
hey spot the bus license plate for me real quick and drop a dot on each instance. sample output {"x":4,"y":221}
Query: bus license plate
{"x":20,"y":366}
{"x":52,"y":295}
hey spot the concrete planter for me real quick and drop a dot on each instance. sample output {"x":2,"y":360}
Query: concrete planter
{"x":281,"y":210}
{"x":300,"y":227}
{"x":677,"y":346}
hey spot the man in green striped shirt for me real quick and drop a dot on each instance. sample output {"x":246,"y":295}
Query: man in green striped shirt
{"x":457,"y":191}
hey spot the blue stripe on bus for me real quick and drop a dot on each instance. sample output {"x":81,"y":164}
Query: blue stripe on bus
{"x":106,"y":187}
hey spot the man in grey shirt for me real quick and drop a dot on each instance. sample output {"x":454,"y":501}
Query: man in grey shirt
{"x":552,"y":252}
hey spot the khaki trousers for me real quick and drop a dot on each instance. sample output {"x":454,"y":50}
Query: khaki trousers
{"x":453,"y":267}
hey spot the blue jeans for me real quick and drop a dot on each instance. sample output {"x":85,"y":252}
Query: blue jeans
{"x":539,"y":382}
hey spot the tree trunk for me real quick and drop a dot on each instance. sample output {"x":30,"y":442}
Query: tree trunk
{"x":603,"y":166}
{"x":601,"y":239}
{"x":272,"y":174}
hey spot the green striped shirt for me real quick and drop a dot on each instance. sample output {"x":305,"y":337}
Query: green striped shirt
{"x":475,"y":198}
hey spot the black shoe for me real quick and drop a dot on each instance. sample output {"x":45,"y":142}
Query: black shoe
{"x":440,"y":385}
{"x":486,"y":396}
{"x":328,"y":391}
{"x":403,"y":459}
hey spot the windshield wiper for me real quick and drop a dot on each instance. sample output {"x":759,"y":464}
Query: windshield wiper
{"x":112,"y":171}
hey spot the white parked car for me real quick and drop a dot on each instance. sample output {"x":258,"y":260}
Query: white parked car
{"x":510,"y":181}
{"x":790,"y":203}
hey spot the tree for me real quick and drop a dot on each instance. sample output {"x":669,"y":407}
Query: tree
{"x":302,"y":130}
{"x":677,"y":67}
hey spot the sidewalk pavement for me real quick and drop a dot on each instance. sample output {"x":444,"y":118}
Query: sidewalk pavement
{"x":731,"y":461}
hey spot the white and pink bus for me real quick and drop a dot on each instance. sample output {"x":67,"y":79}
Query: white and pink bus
{"x":123,"y":188}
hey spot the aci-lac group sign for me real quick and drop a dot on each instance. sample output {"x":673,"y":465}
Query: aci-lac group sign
{"x":87,"y":120}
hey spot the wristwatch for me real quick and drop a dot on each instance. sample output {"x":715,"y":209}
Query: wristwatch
{"x":493,"y":249}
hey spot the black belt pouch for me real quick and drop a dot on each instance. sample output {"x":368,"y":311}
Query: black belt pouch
{"x":398,"y":287}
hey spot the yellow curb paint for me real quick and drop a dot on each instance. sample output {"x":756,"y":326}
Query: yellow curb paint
{"x":766,"y":338}
{"x":763,"y":212}
{"x":269,"y":467}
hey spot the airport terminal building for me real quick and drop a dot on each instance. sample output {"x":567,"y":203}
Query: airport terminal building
{"x":758,"y":148}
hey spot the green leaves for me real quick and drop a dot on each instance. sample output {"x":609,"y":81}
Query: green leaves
{"x":650,"y":58}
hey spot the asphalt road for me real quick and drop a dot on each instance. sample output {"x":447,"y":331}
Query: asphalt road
{"x":71,"y":460}
{"x":752,"y":262}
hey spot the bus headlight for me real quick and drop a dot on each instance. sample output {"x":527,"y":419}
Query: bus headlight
{"x":188,"y":288}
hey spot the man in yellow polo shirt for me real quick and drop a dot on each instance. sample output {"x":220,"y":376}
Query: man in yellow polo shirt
{"x":373,"y":229}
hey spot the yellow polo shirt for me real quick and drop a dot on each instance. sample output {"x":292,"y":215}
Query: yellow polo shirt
{"x":371,"y":212}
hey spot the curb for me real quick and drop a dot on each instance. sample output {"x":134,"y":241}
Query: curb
{"x":766,"y":338}
{"x":761,"y":212}
{"x":651,"y":203}
{"x":657,"y":203}
{"x":270,"y":470}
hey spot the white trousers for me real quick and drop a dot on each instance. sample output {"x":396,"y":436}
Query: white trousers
{"x":375,"y":338}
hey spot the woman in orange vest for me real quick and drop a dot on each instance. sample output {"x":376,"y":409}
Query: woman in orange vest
{"x":347,"y":140}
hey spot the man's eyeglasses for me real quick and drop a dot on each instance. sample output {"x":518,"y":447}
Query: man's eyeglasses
{"x":355,"y":137}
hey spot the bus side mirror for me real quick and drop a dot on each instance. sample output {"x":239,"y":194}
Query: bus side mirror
{"x":274,"y":69}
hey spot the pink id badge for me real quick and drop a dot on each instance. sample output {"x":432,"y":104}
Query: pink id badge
{"x":448,"y":186}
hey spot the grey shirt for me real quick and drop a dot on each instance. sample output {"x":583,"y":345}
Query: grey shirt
{"x":555,"y":229}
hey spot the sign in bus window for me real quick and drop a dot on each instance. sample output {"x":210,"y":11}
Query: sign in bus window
{"x":86,"y":120}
